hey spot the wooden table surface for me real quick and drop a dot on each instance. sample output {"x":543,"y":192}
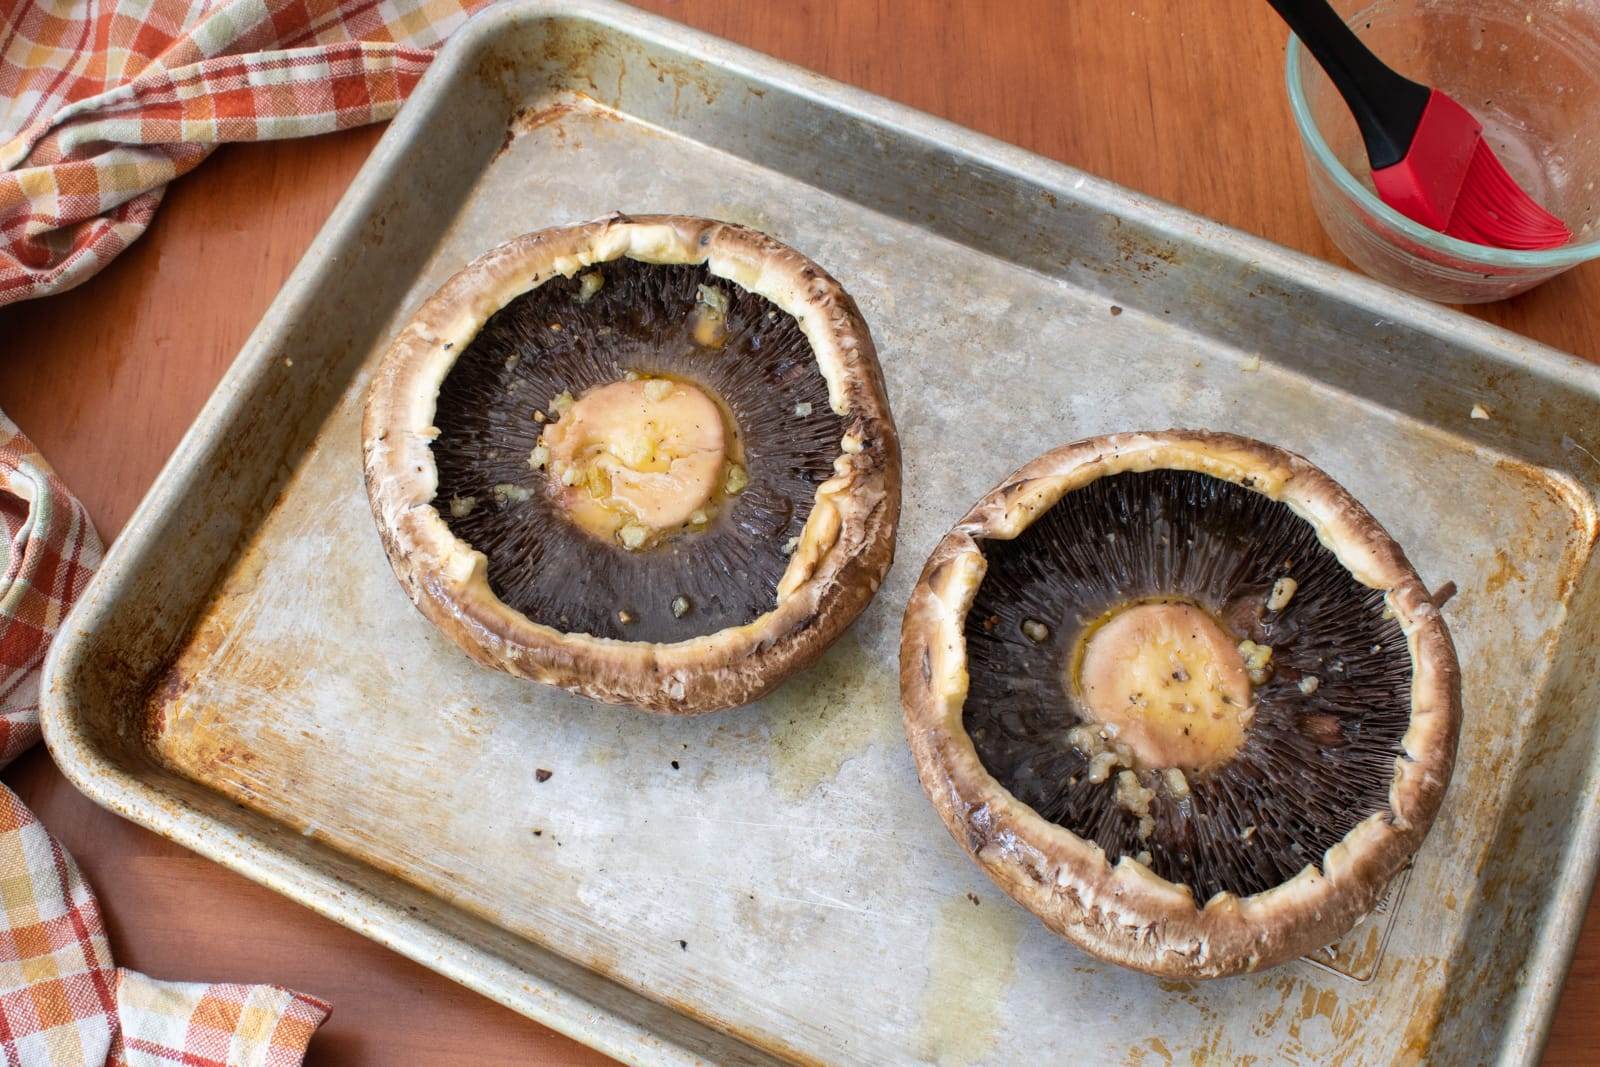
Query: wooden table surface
{"x":1180,"y":100}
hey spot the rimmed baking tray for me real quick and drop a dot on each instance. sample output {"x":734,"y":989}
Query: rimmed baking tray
{"x":245,"y":676}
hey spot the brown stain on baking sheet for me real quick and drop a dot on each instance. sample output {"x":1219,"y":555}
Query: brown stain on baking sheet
{"x":1323,"y":1004}
{"x":565,"y":51}
{"x":573,"y":110}
{"x":1150,"y":1052}
{"x":690,"y":75}
{"x":828,"y":716}
{"x":1214,"y":1049}
{"x":972,"y":960}
{"x":1283,"y":985}
{"x":1140,"y":253}
{"x":1296,"y":1015}
{"x":1362,"y":963}
{"x":1504,"y":571}
{"x":531,"y":118}
{"x":1416,"y":1042}
{"x":528,"y":119}
{"x":1293,"y":1015}
{"x":1544,"y":486}
{"x":572,"y":53}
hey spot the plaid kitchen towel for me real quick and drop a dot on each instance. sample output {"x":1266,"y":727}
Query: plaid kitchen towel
{"x":63,"y":1002}
{"x":102,"y":102}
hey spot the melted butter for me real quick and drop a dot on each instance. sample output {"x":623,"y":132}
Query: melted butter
{"x":1167,"y":682}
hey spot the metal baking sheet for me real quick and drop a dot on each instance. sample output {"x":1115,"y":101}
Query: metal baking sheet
{"x":769,"y":884}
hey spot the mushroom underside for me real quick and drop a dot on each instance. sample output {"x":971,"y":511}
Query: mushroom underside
{"x":567,"y":337}
{"x":1319,"y":753}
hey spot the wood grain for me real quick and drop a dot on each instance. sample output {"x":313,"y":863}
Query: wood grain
{"x":1180,"y":100}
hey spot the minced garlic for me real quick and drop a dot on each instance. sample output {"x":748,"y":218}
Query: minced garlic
{"x":711,"y":297}
{"x":1256,"y":660}
{"x":1101,"y":766}
{"x":507,"y":493}
{"x":710,"y":323}
{"x":1132,"y":796}
{"x":589,"y":283}
{"x":1282,"y":591}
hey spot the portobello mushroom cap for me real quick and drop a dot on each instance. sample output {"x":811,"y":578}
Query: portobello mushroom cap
{"x":647,"y":459}
{"x":1182,"y":697}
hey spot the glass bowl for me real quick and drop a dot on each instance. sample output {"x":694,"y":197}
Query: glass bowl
{"x":1529,"y":73}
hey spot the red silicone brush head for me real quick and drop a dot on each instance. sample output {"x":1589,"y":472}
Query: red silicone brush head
{"x":1494,"y":210}
{"x":1450,"y":180}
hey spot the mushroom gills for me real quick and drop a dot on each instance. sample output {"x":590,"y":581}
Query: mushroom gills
{"x":1309,"y":763}
{"x":553,"y":346}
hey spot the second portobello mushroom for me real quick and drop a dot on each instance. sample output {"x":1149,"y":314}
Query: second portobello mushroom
{"x":1181,"y":696}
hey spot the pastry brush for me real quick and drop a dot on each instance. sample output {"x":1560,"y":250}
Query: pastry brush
{"x":1429,"y":159}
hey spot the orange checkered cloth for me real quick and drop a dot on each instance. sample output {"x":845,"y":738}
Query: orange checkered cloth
{"x":63,"y":1002}
{"x":103,"y":103}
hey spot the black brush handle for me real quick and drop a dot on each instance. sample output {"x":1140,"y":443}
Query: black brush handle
{"x":1387,"y":107}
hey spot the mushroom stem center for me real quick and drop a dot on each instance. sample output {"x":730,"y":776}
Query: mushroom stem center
{"x":635,"y":459}
{"x":1166,"y":682}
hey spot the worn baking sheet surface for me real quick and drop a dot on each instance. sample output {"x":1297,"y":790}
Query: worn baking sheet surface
{"x":775,"y":872}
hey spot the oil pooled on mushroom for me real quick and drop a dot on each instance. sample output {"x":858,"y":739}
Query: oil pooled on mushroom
{"x":566,"y":337}
{"x":1317,"y":758}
